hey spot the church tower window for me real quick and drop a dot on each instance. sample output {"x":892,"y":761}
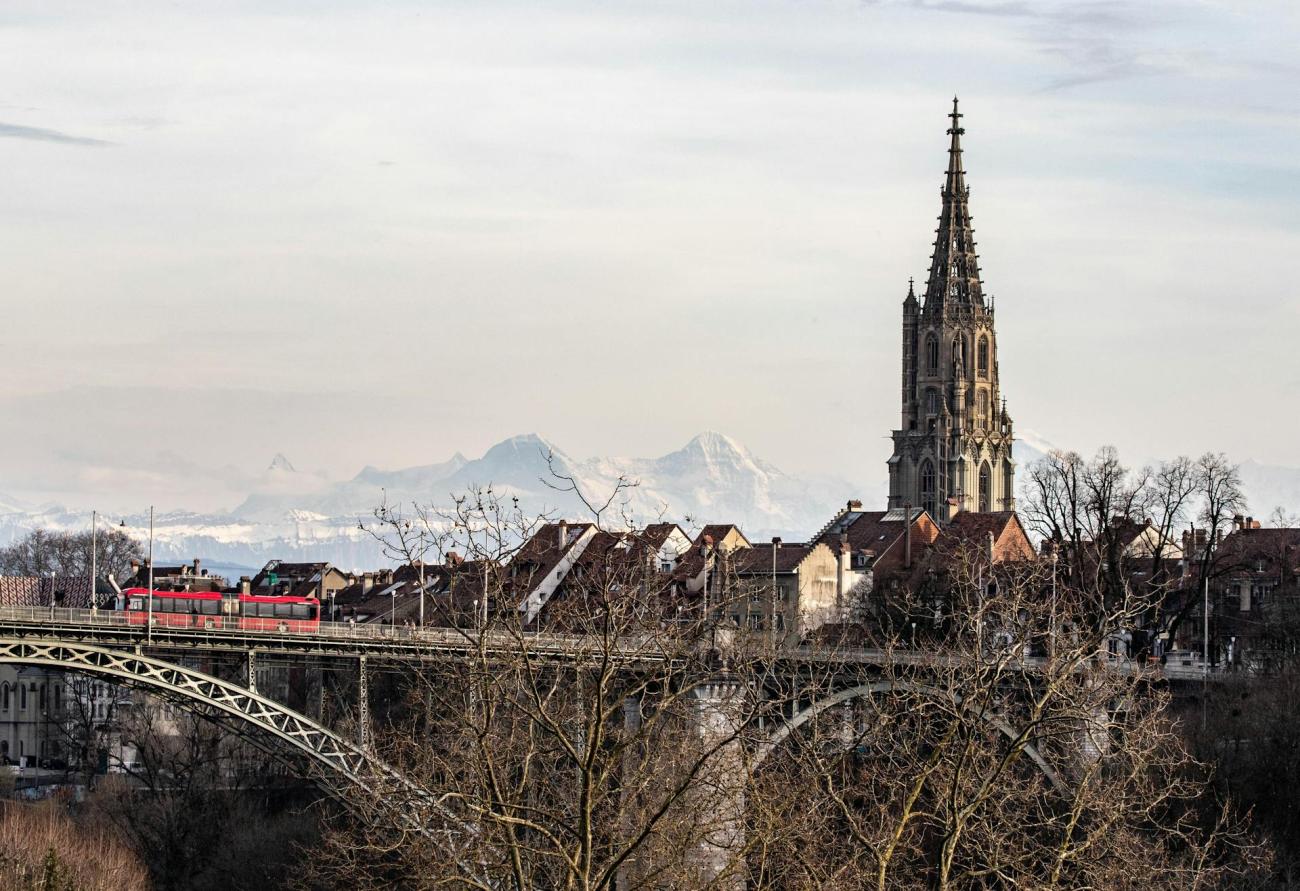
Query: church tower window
{"x":927,"y":486}
{"x":983,"y":357}
{"x":932,"y":355}
{"x":985,"y":487}
{"x":932,"y":401}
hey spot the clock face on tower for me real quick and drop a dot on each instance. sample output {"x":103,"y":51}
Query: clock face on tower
{"x":952,"y":451}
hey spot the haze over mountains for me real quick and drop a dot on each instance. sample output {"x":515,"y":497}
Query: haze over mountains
{"x":295,"y":515}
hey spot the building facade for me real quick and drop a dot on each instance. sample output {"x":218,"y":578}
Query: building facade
{"x":953,"y":449}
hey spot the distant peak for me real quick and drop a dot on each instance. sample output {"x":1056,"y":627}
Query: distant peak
{"x":529,"y":442}
{"x":714,"y":443}
{"x":280,"y":462}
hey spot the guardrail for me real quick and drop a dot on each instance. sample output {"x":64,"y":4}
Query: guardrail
{"x":409,"y":638}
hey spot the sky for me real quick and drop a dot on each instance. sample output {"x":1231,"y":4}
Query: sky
{"x":380,"y":233}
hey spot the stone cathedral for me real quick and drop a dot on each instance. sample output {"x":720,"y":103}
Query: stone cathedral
{"x":953,"y":452}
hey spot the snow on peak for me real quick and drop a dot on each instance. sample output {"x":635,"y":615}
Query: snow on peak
{"x":717,"y":445}
{"x":281,"y":463}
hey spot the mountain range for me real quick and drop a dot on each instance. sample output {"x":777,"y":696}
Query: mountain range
{"x":293,"y":515}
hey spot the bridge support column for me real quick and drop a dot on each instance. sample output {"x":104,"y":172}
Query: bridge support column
{"x":720,"y":716}
{"x":252,"y":671}
{"x":363,"y":705}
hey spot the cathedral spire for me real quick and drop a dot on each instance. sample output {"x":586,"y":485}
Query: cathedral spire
{"x":954,"y":281}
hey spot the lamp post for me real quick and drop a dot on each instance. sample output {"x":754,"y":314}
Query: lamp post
{"x":94,"y":567}
{"x":148,"y":628}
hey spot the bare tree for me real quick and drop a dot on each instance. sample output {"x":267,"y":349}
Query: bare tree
{"x":970,"y":765}
{"x":42,"y":552}
{"x":659,"y":747}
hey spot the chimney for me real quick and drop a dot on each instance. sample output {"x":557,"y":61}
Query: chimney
{"x":1254,"y":524}
{"x":907,"y":535}
{"x":855,"y":504}
{"x":564,"y":533}
{"x":196,"y":566}
{"x":776,"y":542}
{"x":452,"y":559}
{"x":367,"y":582}
{"x":1250,"y":523}
{"x":245,"y":585}
{"x":1238,"y":521}
{"x":706,"y":545}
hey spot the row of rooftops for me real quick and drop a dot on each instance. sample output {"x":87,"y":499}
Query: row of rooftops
{"x":868,"y":540}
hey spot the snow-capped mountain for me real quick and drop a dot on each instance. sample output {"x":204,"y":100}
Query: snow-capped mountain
{"x":301,"y":516}
{"x":293,"y":515}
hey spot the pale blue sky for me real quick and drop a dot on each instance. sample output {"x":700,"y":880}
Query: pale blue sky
{"x":365,"y":233}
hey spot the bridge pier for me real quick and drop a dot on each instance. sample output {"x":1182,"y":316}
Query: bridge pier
{"x":363,"y":705}
{"x":252,"y":671}
{"x":720,"y":717}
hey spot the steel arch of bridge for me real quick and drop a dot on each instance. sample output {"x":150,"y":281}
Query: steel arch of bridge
{"x":793,"y":723}
{"x":346,"y":771}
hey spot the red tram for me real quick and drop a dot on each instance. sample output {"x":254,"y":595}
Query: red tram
{"x":216,"y":610}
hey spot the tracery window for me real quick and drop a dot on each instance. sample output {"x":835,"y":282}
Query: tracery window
{"x":985,"y":487}
{"x":932,"y":354}
{"x":982,"y":359}
{"x":927,"y":486}
{"x":932,"y":401}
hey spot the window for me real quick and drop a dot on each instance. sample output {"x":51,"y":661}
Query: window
{"x":755,"y":622}
{"x":41,"y":699}
{"x":982,"y":357}
{"x":665,"y":566}
{"x":211,"y":607}
{"x":299,"y":611}
{"x":778,"y":621}
{"x":756,"y":596}
{"x":783,"y":593}
{"x":58,"y":697}
{"x":985,"y":487}
{"x":22,"y":697}
{"x":927,"y":486}
{"x":5,"y":689}
{"x":932,"y":401}
{"x":932,"y":354}
{"x":984,"y":404}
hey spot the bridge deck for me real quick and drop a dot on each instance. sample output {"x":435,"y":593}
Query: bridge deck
{"x":403,"y":643}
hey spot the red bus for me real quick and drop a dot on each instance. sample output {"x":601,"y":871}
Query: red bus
{"x":215,"y":610}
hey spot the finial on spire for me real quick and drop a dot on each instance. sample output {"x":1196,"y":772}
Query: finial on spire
{"x":910,"y":282}
{"x":956,"y":116}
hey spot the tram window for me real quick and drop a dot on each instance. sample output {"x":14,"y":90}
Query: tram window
{"x":299,"y":610}
{"x":209,"y":607}
{"x":266,"y":610}
{"x":283,"y":610}
{"x":136,"y":603}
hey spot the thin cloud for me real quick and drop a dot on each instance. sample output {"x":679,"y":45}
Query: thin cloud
{"x":41,"y":134}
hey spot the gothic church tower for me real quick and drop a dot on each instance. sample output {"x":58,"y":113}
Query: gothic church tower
{"x":954,"y":449}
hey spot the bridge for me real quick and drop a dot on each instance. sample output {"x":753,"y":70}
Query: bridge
{"x":158,"y":658}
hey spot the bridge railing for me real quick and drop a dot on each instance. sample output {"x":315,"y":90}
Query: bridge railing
{"x":108,"y":620}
